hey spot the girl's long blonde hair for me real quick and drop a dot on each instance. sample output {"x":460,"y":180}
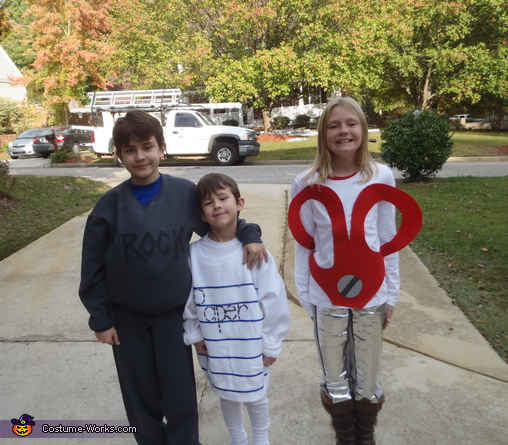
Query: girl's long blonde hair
{"x":322,"y":163}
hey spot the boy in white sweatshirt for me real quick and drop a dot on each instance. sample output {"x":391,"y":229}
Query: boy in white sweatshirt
{"x":237,"y":318}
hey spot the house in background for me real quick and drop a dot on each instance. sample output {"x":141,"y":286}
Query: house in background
{"x":7,"y":71}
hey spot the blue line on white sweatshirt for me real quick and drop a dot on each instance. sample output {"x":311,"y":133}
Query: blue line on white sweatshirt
{"x":239,"y":357}
{"x":227,"y":304}
{"x":206,"y":370}
{"x":231,"y":321}
{"x":232,"y":339}
{"x":237,"y":375}
{"x":236,"y":390}
{"x":225,"y":287}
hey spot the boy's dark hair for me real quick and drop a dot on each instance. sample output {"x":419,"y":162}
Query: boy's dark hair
{"x":139,"y":125}
{"x":212,"y":182}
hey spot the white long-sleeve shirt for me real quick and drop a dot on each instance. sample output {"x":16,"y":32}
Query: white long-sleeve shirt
{"x":379,"y":226}
{"x":241,"y":314}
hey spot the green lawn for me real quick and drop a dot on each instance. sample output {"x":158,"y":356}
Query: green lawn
{"x":470,"y":143}
{"x":464,"y":244}
{"x":479,"y":143}
{"x":42,"y":204}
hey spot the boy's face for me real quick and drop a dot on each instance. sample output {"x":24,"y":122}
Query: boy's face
{"x":141,"y":159}
{"x":220,"y":209}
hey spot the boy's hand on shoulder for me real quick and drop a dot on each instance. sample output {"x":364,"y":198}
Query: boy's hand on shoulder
{"x":109,"y":337}
{"x":254,"y":253}
{"x":201,"y":347}
{"x":268,"y":361}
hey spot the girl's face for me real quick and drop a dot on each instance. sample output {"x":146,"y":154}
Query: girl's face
{"x":343,"y":133}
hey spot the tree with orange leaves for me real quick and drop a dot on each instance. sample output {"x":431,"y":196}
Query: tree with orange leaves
{"x":67,"y":38}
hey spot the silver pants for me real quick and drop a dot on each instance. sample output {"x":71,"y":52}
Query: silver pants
{"x":349,"y":343}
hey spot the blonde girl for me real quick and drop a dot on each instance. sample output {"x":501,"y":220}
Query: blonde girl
{"x":342,"y":216}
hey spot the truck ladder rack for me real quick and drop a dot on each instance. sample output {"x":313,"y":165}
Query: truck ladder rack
{"x":148,"y":100}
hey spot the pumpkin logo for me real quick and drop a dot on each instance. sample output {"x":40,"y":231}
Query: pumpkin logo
{"x":23,"y":425}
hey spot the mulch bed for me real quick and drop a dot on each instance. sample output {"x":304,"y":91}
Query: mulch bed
{"x":274,"y":137}
{"x":86,"y":159}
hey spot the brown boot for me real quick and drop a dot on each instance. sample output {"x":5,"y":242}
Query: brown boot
{"x":343,"y":421}
{"x":365,"y":420}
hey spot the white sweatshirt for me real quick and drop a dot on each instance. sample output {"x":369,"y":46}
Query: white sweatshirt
{"x":379,"y":228}
{"x":240,"y":313}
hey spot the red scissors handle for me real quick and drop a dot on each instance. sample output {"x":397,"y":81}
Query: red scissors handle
{"x":358,"y":271}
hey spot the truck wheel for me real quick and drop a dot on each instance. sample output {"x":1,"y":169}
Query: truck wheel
{"x":225,"y":153}
{"x":75,"y":148}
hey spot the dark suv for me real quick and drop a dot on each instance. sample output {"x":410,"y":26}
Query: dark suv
{"x":71,"y":138}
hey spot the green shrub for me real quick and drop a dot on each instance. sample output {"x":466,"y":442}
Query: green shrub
{"x":5,"y":174}
{"x":10,"y":113}
{"x":417,"y":144}
{"x":7,"y":184}
{"x":15,"y":118}
{"x":302,"y":119}
{"x":230,"y":122}
{"x":280,"y":122}
{"x":60,"y":157}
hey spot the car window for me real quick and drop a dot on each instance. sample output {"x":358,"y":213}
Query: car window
{"x":186,"y":120}
{"x":31,"y":133}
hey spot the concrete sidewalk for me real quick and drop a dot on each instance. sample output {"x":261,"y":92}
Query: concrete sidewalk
{"x":444,"y":384}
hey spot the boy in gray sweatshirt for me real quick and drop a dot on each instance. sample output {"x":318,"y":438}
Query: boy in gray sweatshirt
{"x":135,"y":280}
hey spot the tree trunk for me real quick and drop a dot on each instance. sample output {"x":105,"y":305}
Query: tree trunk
{"x":427,"y":95}
{"x":267,"y":120}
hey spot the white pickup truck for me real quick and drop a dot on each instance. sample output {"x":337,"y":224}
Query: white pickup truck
{"x":188,"y":133}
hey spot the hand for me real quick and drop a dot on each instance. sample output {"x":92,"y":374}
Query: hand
{"x":109,"y":337}
{"x":201,"y":347}
{"x":268,"y":361}
{"x":254,"y":253}
{"x":388,"y":316}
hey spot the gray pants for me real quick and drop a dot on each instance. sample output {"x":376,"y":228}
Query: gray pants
{"x":349,"y":343}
